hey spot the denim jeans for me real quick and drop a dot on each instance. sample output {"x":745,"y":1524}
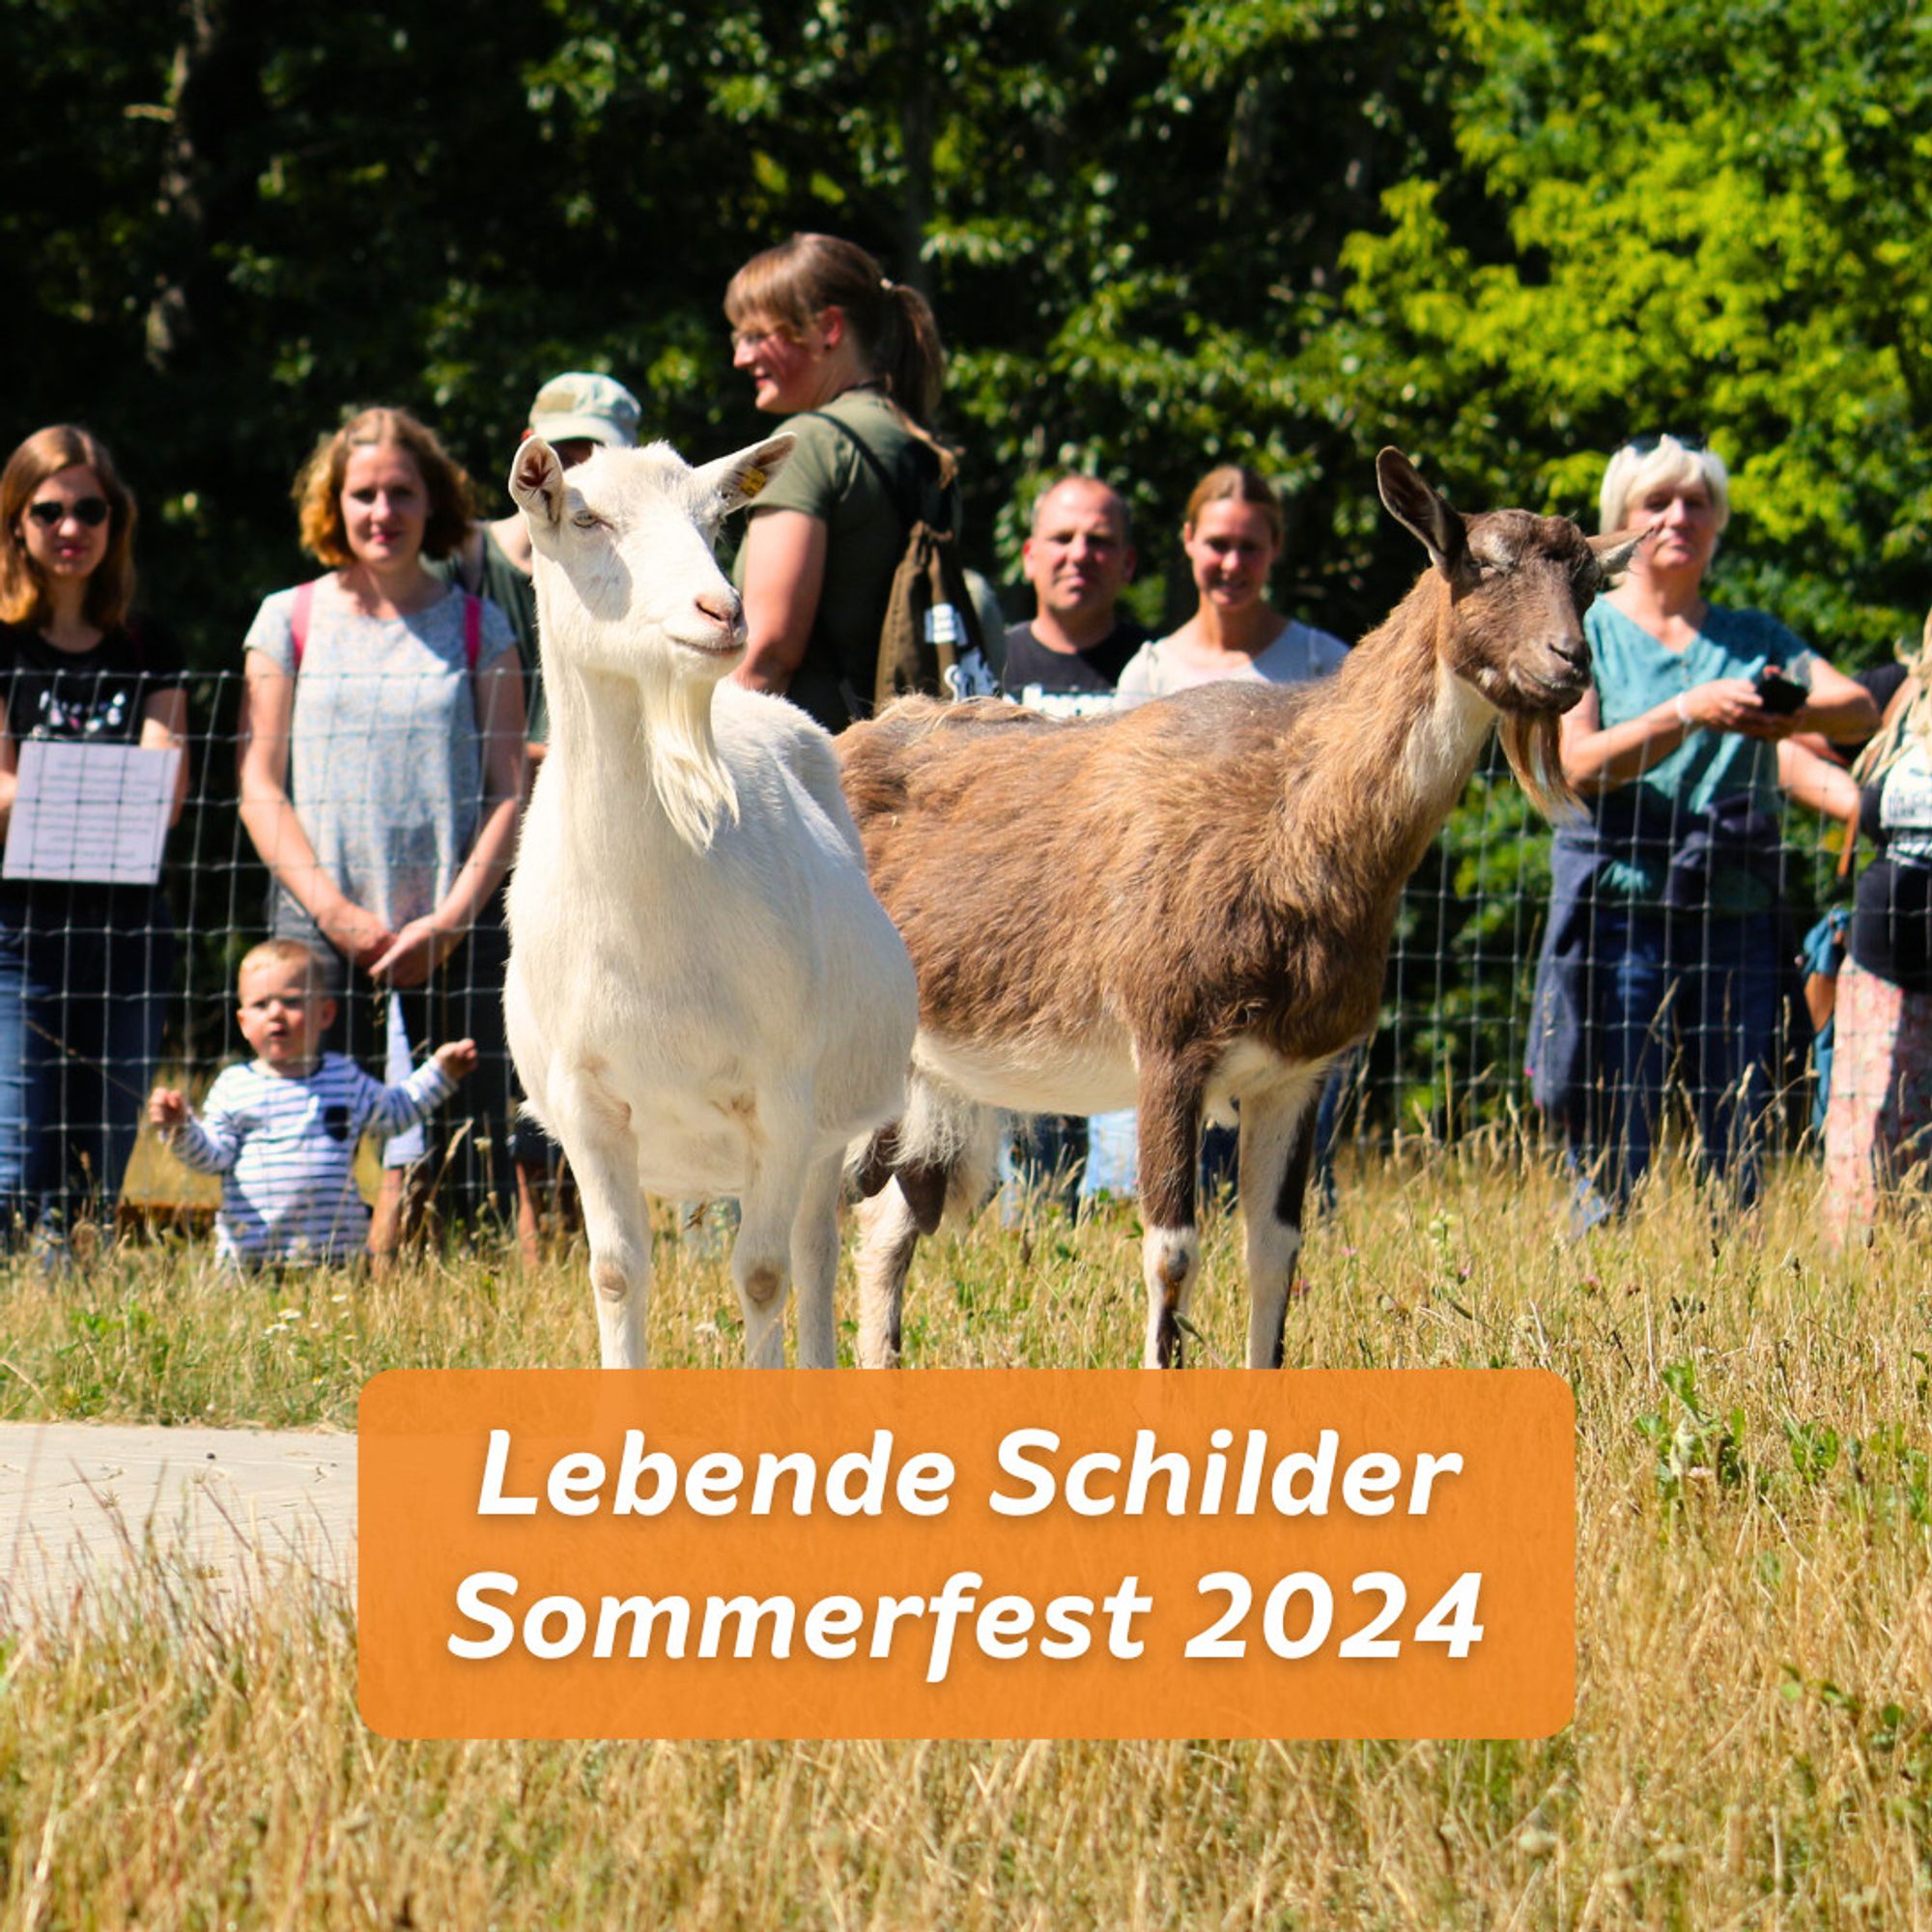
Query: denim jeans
{"x":1113,"y":1147}
{"x":81,"y":1012}
{"x":1697,"y":994}
{"x":1048,"y":1150}
{"x":465,"y":1144}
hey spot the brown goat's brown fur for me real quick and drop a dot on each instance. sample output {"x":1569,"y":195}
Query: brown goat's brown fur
{"x":1210,"y":880}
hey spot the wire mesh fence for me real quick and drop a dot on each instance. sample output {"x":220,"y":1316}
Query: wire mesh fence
{"x":135,"y":984}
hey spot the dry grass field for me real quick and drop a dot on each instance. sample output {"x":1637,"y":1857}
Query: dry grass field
{"x":1752,"y":1746}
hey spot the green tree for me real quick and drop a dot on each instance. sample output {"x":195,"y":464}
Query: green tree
{"x":1700,"y":217}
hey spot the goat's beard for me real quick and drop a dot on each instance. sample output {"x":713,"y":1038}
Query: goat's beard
{"x":694,"y":784}
{"x":1532,"y":743}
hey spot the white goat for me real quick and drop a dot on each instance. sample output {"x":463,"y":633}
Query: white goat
{"x":704,"y":995}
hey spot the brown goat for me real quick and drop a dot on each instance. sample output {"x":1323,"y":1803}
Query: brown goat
{"x":1190,"y":903}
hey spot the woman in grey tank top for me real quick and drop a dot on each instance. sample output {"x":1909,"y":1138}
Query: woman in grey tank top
{"x":381,"y":777}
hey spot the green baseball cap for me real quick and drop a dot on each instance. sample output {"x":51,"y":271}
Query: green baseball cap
{"x":582,"y":404}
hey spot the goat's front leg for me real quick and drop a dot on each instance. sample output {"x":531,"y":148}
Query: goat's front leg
{"x":779,"y":1161}
{"x":815,"y":1264}
{"x":1169,"y":1164}
{"x":1277,"y":1150}
{"x":594,"y":1127}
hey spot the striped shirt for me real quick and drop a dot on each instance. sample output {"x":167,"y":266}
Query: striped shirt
{"x":285,"y":1147}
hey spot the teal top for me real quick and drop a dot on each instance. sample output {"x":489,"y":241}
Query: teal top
{"x":1634,"y":673}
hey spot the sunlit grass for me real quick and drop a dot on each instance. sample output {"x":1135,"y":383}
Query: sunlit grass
{"x":1754,"y":1738}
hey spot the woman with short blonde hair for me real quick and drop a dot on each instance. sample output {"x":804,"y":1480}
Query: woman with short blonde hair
{"x":1664,"y":949}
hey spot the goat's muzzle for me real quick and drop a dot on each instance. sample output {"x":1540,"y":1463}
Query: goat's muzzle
{"x":1558,"y":677}
{"x":721,"y":628}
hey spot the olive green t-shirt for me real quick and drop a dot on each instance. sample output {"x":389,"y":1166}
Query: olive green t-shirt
{"x":828,"y":478}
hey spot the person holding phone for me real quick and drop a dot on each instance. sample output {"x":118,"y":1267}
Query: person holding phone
{"x":1663,"y":946}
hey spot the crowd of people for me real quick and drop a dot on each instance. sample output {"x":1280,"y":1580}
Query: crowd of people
{"x":392,"y":715}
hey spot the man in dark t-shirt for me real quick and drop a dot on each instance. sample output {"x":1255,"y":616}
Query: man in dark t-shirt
{"x":1077,"y":556}
{"x":1065,"y":664}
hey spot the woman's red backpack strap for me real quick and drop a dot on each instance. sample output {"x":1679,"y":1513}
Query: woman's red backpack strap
{"x":298,"y":618}
{"x":472,"y":624}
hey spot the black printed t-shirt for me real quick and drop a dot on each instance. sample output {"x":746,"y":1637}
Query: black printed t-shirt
{"x":88,"y":697}
{"x":1037,"y":677}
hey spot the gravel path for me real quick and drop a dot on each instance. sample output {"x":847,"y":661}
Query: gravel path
{"x":77,"y":1500}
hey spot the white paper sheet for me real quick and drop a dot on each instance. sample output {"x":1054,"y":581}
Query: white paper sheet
{"x":95,"y":812}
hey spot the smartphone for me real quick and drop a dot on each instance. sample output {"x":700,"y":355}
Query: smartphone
{"x":1779,"y":694}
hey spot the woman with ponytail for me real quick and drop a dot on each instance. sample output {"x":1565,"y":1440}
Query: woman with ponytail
{"x":852,"y":361}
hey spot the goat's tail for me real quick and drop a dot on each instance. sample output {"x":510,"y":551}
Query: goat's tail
{"x":1532,"y":742}
{"x":943,"y":1150}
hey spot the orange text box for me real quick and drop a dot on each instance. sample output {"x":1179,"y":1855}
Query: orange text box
{"x":980,"y":1554}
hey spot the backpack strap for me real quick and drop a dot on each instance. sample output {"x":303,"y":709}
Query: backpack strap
{"x":927,"y":625}
{"x":299,"y":619}
{"x":892,"y":486}
{"x":472,"y":624}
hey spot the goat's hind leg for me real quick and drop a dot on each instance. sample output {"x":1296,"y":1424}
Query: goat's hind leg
{"x":944,"y":1151}
{"x":1277,"y":1153}
{"x":1170,"y":1161}
{"x":594,"y":1127}
{"x":890,"y":1223}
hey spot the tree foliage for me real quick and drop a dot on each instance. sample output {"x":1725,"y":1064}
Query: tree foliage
{"x":1158,"y":234}
{"x":1697,"y":217}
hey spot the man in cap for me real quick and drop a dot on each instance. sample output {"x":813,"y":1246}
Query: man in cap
{"x":575,"y":413}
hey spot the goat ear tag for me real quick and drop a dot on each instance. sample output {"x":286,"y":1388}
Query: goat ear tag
{"x":750,"y":483}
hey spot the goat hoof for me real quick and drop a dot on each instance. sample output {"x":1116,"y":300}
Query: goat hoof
{"x":1167,"y":1341}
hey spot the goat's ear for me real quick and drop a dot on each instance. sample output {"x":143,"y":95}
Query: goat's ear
{"x":1414,"y":506}
{"x":536,"y":481}
{"x":743,"y":476}
{"x":1615,"y":550}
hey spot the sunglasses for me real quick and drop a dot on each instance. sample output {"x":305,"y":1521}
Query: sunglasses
{"x":1642,"y":446}
{"x":89,"y":510}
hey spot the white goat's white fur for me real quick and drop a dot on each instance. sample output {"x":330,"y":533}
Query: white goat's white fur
{"x":704,"y":995}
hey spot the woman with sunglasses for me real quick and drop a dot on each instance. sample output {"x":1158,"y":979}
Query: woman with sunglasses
{"x":1664,"y":948}
{"x":85,"y":965}
{"x":851,"y":359}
